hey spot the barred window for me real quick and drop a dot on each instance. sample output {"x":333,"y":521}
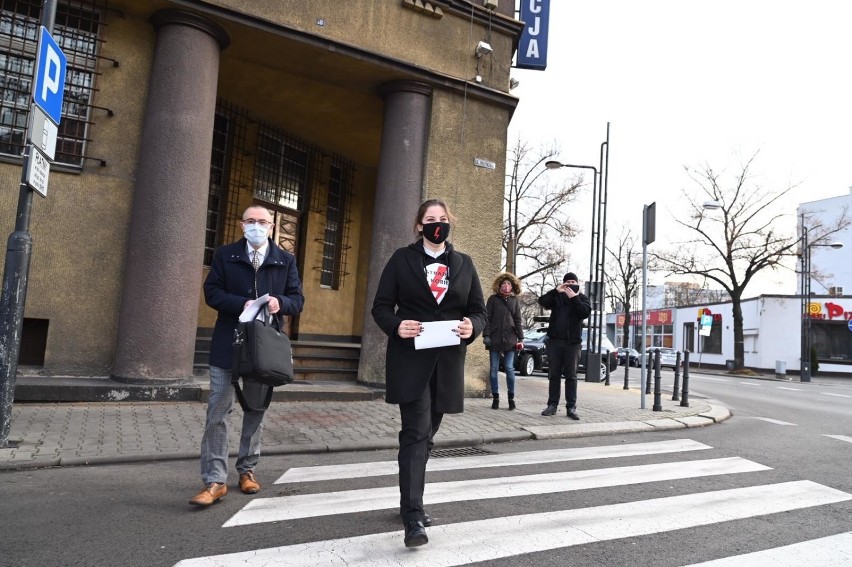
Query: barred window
{"x":280,"y":172}
{"x":334,"y":218}
{"x":76,"y":31}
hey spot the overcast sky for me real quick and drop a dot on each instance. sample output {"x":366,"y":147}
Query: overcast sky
{"x":689,"y":82}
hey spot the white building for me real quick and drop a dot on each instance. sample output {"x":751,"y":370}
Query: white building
{"x":831,"y":268}
{"x":771,"y":333}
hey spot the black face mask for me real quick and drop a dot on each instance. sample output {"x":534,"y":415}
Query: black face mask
{"x":436,"y":232}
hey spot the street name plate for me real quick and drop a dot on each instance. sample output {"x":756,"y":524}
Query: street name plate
{"x":42,"y":132}
{"x":479,"y":162}
{"x":38,"y":171}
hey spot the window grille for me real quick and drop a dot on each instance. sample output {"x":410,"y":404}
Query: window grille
{"x":226,"y":163}
{"x":76,"y":30}
{"x":283,"y":173}
{"x":335,"y":240}
{"x":280,"y":171}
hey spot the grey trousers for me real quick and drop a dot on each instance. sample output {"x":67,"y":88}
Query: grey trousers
{"x":214,"y":443}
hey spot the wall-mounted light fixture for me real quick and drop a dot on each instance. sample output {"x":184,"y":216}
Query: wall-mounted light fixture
{"x":483,"y":49}
{"x":490,"y":4}
{"x":513,"y":83}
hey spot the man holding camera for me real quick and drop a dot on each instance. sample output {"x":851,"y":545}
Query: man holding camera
{"x":568,"y":308}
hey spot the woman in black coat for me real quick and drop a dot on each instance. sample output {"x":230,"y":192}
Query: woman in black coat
{"x":504,"y":333}
{"x":426,"y":281}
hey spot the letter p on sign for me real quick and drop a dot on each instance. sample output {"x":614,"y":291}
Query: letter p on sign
{"x":49,"y":85}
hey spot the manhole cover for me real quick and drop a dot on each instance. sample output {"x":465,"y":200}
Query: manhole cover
{"x":459,"y":452}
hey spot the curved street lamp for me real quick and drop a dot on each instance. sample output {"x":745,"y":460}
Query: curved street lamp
{"x":806,"y":339}
{"x":596,"y":257}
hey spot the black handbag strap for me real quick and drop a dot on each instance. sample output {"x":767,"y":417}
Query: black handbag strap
{"x":235,"y":380}
{"x":235,"y":368}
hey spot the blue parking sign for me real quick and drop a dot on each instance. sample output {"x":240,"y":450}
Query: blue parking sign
{"x":49,"y":76}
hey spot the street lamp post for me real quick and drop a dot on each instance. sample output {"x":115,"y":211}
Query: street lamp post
{"x":805,"y":369}
{"x":596,"y":256}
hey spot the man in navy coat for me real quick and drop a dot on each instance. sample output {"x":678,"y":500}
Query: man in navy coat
{"x":241,"y":272}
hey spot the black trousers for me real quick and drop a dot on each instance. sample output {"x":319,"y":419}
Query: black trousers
{"x":562,"y":359}
{"x":419,"y":425}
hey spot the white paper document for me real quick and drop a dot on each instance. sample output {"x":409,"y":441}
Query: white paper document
{"x":437,"y":334}
{"x":253,"y":309}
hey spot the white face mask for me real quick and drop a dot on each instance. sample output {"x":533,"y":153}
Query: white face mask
{"x":255,"y":234}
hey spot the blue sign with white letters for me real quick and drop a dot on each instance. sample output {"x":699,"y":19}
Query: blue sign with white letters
{"x":49,"y":76}
{"x":532,"y":48}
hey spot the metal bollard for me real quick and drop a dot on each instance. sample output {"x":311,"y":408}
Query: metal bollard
{"x":649,"y":365}
{"x":675,"y":396}
{"x":658,"y":377}
{"x":684,"y":397}
{"x":606,"y":362}
{"x":627,"y":372}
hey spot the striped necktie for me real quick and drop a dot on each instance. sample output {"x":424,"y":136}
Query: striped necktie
{"x":255,"y":262}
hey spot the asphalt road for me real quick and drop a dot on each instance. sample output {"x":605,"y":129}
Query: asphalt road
{"x":600,"y":511}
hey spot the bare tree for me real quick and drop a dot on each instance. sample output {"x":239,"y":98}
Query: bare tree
{"x":690,"y":293}
{"x":622,"y":276}
{"x":737,"y":241}
{"x":537,"y":226}
{"x":535,"y":286}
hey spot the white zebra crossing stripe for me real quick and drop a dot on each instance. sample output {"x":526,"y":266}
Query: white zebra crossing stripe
{"x":836,"y":395}
{"x":362,"y":470}
{"x":831,"y":551}
{"x":282,"y":508}
{"x":483,"y":540}
{"x":791,"y":389}
{"x":841,"y":438}
{"x":770,"y":420}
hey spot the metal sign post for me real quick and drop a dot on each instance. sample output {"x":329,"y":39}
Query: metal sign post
{"x":649,"y":220}
{"x":48,"y":90}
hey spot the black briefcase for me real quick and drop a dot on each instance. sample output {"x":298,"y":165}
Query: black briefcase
{"x":262,"y":353}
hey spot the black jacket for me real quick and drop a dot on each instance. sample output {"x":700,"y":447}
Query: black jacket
{"x":566,"y":315}
{"x":230,"y":284}
{"x":404,"y":294}
{"x":504,"y":327}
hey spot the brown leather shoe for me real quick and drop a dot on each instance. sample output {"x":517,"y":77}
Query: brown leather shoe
{"x":212,"y":492}
{"x":248,"y":483}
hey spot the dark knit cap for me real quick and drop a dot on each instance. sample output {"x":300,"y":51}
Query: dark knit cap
{"x":570,"y":276}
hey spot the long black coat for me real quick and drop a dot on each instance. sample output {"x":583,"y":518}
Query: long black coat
{"x":230,"y":284}
{"x":404,"y":294}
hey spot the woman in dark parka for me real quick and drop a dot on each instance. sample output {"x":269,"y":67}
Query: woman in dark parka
{"x":426,"y":281}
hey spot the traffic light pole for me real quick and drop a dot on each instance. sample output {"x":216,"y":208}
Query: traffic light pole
{"x":15,"y":275}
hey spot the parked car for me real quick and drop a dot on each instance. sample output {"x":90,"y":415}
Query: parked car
{"x":629,"y":356}
{"x":607,"y":351}
{"x":668,"y":357}
{"x":533,"y":356}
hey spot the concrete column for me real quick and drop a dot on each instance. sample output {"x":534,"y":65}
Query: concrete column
{"x":158,"y":316}
{"x":399,"y":192}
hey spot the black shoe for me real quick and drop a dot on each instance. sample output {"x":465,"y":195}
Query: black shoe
{"x":511,"y":402}
{"x":572,"y":413}
{"x":415,"y":534}
{"x":496,"y":403}
{"x":549,"y":410}
{"x":427,"y":519}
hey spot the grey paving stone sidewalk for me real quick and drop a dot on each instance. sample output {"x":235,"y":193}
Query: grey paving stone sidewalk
{"x":113,"y":432}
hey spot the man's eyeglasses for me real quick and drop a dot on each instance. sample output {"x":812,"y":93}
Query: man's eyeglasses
{"x":262,"y":223}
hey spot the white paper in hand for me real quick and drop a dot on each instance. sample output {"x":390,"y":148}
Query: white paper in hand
{"x":437,"y":334}
{"x":252,"y":310}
